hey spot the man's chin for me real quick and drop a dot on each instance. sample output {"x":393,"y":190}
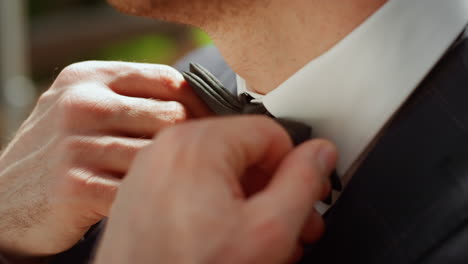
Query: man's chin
{"x":198,"y":13}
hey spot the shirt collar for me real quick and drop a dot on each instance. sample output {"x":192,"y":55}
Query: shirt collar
{"x":351,"y":91}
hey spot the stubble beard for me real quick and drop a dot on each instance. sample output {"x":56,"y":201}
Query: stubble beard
{"x":200,"y":13}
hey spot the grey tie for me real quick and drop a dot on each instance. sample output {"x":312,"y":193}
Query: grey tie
{"x":222,"y":102}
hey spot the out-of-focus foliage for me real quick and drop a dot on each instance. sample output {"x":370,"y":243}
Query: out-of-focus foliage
{"x":200,"y":37}
{"x":156,"y":48}
{"x":147,"y":47}
{"x":151,"y":49}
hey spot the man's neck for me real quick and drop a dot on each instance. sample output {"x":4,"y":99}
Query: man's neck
{"x":271,"y":41}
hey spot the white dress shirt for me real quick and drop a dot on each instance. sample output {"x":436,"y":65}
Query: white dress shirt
{"x":350,"y":92}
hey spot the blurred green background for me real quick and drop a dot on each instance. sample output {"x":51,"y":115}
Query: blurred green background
{"x":105,"y":35}
{"x":38,"y":38}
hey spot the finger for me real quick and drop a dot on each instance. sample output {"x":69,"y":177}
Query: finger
{"x":113,"y":154}
{"x":255,"y":143}
{"x":139,"y":117}
{"x":158,"y":82}
{"x":96,"y":190}
{"x":238,"y":143}
{"x":313,"y":228}
{"x":90,"y":108}
{"x":297,"y":185}
{"x":219,"y":151}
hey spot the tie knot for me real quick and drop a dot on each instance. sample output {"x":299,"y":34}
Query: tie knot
{"x":217,"y":97}
{"x":222,"y":102}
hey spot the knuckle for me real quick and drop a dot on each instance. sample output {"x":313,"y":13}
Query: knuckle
{"x":45,"y":98}
{"x":75,"y":106}
{"x":164,"y":113}
{"x":110,"y":145}
{"x":169,"y":71}
{"x":79,"y":148}
{"x":169,"y":75}
{"x":80,"y":71}
{"x":72,"y":144}
{"x":83,"y":182}
{"x":70,"y":101}
{"x":79,"y":180}
{"x":75,"y":147}
{"x":169,"y":78}
{"x":161,"y":75}
{"x":115,"y":145}
{"x":69,"y":110}
{"x":74,"y":71}
{"x":175,"y":113}
{"x":145,"y":151}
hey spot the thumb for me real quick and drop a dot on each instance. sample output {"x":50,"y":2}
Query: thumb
{"x":300,"y":181}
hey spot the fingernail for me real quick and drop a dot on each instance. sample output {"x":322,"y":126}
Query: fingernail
{"x":325,"y":156}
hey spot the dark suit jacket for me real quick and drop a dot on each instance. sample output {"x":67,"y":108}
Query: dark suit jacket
{"x":408,"y":201}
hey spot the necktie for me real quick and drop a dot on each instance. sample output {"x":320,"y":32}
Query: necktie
{"x":222,"y":102}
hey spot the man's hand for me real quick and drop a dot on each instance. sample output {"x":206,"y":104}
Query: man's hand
{"x":60,"y":174}
{"x":219,"y":191}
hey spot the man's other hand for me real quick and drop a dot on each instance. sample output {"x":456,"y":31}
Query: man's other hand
{"x":227,"y":190}
{"x":60,"y":173}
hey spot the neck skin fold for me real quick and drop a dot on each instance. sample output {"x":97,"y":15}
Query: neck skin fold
{"x":271,"y":40}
